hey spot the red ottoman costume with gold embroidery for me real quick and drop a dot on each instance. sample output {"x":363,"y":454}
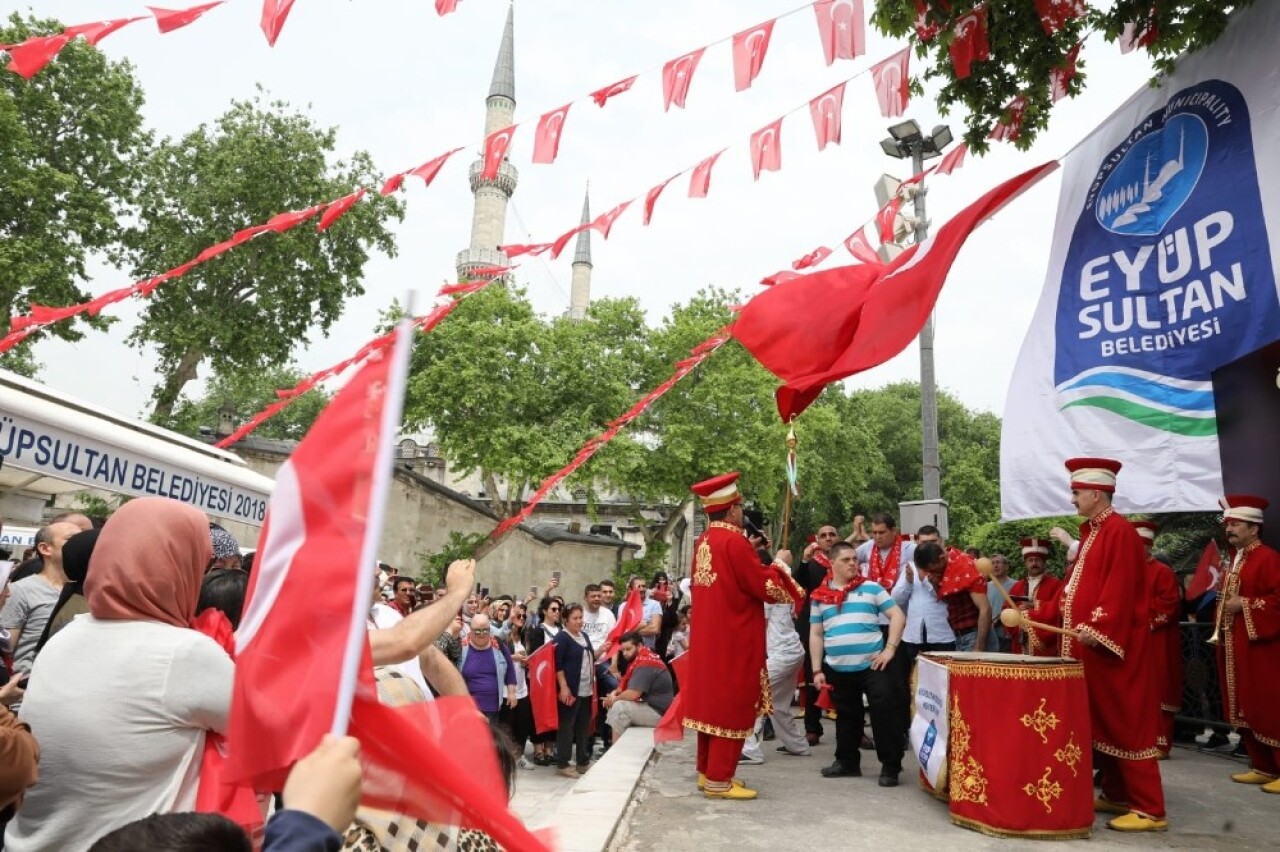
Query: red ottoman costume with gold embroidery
{"x":1166,"y":647}
{"x":1038,"y":644}
{"x":1249,"y":653}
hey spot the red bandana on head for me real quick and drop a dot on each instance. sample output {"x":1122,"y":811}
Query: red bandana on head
{"x":885,"y":572}
{"x":645,"y":657}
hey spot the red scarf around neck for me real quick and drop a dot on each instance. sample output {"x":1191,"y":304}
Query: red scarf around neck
{"x":645,"y":657}
{"x":824,"y":594}
{"x":886,"y":574}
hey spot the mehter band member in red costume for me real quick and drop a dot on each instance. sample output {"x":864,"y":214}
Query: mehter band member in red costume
{"x":728,"y":686}
{"x":1249,"y":640}
{"x":1105,"y":600}
{"x":1166,"y":639}
{"x":1038,"y":587}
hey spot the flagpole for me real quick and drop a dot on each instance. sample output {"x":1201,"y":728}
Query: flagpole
{"x":357,"y":633}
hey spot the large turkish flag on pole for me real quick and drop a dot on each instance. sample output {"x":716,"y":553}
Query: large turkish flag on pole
{"x":872,"y":312}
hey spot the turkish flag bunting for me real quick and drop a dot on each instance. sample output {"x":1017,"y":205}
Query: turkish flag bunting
{"x":274,"y":14}
{"x":604,"y":222}
{"x":887,"y":219}
{"x":651,"y":198}
{"x":546,"y":140}
{"x":1060,"y":77}
{"x":334,"y":210}
{"x":700,"y":180}
{"x":671,"y":726}
{"x":428,"y":170}
{"x":970,"y":42}
{"x":925,"y":31}
{"x":27,"y":58}
{"x":282,"y":222}
{"x":857,"y":245}
{"x":676,"y":76}
{"x":841,"y":28}
{"x":891,"y":77}
{"x":749,"y":49}
{"x":517,"y":249}
{"x":1009,"y":130}
{"x":495,"y":149}
{"x":778,"y":277}
{"x":600,"y":96}
{"x":813,"y":258}
{"x":1054,"y":14}
{"x":168,"y":20}
{"x":953,"y":160}
{"x":1208,"y":570}
{"x":826,"y":110}
{"x":444,"y":7}
{"x":542,"y":688}
{"x":1138,"y":35}
{"x":563,"y":240}
{"x":96,"y":32}
{"x":871,"y":312}
{"x":766,"y":149}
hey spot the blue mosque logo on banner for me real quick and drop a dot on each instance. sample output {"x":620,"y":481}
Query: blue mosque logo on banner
{"x":1168,"y":273}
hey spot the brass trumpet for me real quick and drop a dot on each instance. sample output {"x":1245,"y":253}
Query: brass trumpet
{"x":1217,"y":617}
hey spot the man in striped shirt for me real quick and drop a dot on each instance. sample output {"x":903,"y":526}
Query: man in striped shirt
{"x":850,"y":654}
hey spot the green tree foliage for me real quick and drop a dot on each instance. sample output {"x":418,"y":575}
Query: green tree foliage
{"x":513,"y":396}
{"x":248,"y":393}
{"x":69,"y":141}
{"x":1022,"y":54}
{"x":995,"y":537}
{"x":249,"y":308}
{"x":435,"y":565}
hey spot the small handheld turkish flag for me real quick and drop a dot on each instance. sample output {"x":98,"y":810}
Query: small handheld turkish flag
{"x":542,"y":688}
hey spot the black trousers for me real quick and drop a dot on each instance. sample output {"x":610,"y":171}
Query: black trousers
{"x":812,"y":712}
{"x":886,"y":720}
{"x":574,"y":730}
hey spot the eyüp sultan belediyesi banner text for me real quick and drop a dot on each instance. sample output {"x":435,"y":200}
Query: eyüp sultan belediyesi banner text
{"x":1161,"y":271}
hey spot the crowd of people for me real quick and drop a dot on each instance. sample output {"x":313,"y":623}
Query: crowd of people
{"x":115,"y":678}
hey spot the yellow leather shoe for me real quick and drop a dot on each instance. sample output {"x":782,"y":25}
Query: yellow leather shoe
{"x":702,"y":782}
{"x":734,"y":792}
{"x":1272,"y":787}
{"x":1253,"y":777}
{"x":1134,"y":821}
{"x":1103,"y":805}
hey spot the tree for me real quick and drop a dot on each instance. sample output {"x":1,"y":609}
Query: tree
{"x":69,"y":141}
{"x":1005,"y":538}
{"x":513,"y":396}
{"x":248,"y":393}
{"x":1023,"y":54}
{"x":249,"y":308}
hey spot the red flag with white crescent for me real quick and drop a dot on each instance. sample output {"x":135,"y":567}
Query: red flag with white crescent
{"x":676,"y":76}
{"x":825,"y":110}
{"x":970,"y":42}
{"x":858,"y":246}
{"x":841,"y":28}
{"x":766,"y":149}
{"x":700,"y":180}
{"x":1207,"y":572}
{"x":1054,"y":14}
{"x":274,"y":14}
{"x":546,"y":139}
{"x":953,"y":160}
{"x":891,"y":77}
{"x":1061,"y":76}
{"x":651,"y":198}
{"x":749,"y":49}
{"x":168,"y":20}
{"x":495,"y":150}
{"x":601,"y":96}
{"x":542,"y":688}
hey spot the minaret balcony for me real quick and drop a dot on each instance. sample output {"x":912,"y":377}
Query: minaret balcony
{"x":505,"y":181}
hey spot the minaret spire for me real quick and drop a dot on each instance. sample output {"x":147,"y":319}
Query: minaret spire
{"x":580,"y":285}
{"x":489,"y":219}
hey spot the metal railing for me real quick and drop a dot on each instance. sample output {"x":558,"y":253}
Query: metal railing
{"x":1201,"y":695}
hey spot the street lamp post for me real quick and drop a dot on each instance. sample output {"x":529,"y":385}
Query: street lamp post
{"x":907,"y":140}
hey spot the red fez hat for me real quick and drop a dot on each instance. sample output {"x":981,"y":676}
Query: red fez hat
{"x":719,"y":492}
{"x":1243,"y":507}
{"x":1035,"y":547}
{"x":1146,"y":529}
{"x":1097,"y":474}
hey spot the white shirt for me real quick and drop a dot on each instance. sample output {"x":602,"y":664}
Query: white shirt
{"x":906,"y":556}
{"x":120,"y":709}
{"x":384,"y":617}
{"x":522,"y":676}
{"x":782,"y":641}
{"x":598,"y":624}
{"x":926,"y":612}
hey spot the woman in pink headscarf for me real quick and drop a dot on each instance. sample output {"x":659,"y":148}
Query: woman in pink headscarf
{"x":120,"y":699}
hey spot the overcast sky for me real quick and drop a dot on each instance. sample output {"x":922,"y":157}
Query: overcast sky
{"x":406,"y":85}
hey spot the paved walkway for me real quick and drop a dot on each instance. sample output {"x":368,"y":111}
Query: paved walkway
{"x":797,"y":806}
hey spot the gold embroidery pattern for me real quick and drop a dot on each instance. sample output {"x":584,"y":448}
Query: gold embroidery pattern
{"x":703,"y":573}
{"x":1098,"y":613}
{"x":766,"y":695}
{"x":1041,"y":721}
{"x":968,"y":780}
{"x":717,"y":731}
{"x":776,"y":593}
{"x":1104,"y":640}
{"x":1266,"y":740}
{"x":1070,"y":754}
{"x":724,"y":525}
{"x":1044,"y":790}
{"x":1230,"y":588}
{"x":1069,"y":593}
{"x":1124,"y":754}
{"x":1055,"y":671}
{"x":1040,"y":834}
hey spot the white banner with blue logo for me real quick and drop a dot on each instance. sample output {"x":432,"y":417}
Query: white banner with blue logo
{"x":1161,"y":271}
{"x":929,"y":725}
